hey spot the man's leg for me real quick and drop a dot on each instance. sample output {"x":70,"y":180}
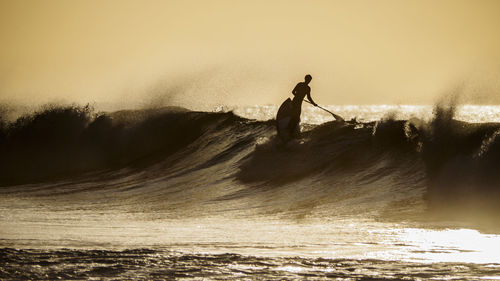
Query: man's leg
{"x":294,"y":122}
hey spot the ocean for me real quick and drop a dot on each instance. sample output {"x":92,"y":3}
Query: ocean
{"x":395,"y":193}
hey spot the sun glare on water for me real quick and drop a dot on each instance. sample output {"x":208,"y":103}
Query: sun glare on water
{"x":450,"y":245}
{"x":368,"y":113}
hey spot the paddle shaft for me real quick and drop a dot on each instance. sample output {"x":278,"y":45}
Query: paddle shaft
{"x":334,"y":115}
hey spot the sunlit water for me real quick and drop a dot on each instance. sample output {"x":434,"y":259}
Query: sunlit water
{"x":280,"y":249}
{"x":259,"y":248}
{"x":58,"y":238}
{"x":367,"y":113}
{"x":334,"y":239}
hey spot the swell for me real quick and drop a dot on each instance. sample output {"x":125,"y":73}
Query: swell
{"x":66,"y":141}
{"x":392,"y":161}
{"x":462,"y":162}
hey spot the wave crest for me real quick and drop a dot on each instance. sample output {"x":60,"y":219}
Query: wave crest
{"x":68,"y":140}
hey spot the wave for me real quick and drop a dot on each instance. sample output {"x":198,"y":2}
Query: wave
{"x":395,"y":161}
{"x":66,"y":141}
{"x":462,"y":162}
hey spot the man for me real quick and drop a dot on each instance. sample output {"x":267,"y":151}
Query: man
{"x":300,"y":91}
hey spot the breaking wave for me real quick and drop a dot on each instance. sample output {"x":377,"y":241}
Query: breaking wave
{"x":389,"y":162}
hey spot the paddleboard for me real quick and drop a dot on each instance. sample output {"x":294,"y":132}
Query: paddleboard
{"x":283,"y":120}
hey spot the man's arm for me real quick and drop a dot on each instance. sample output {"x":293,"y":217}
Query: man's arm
{"x":309,"y":97}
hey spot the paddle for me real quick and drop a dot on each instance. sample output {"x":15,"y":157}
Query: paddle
{"x":337,"y":118}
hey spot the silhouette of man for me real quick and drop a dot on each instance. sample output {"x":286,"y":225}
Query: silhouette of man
{"x":300,"y":91}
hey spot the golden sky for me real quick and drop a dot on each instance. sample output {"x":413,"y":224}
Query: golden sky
{"x":249,"y":52}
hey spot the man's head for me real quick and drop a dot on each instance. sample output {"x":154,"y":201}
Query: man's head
{"x":308,"y":78}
